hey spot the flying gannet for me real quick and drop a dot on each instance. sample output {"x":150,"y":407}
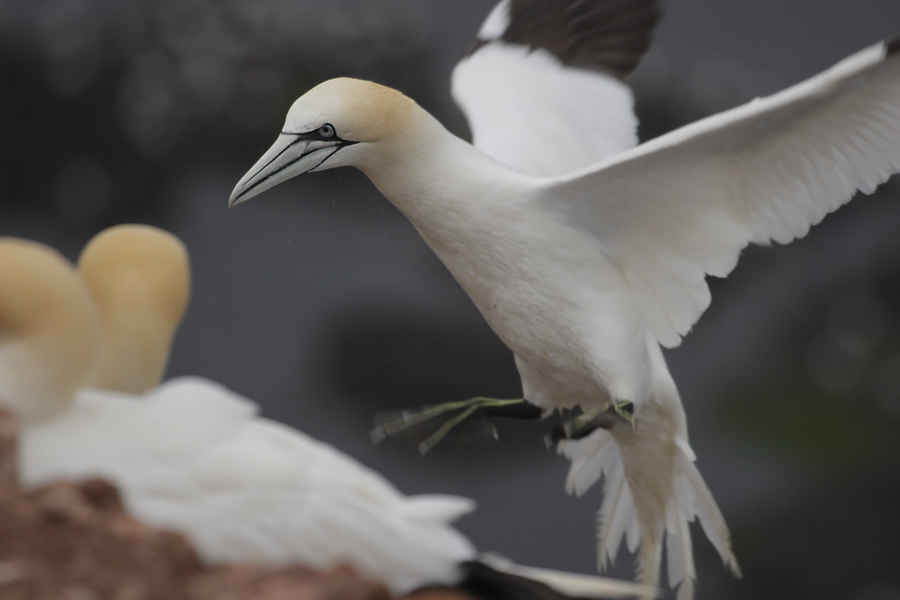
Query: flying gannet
{"x":194,"y":457}
{"x":585,"y":253}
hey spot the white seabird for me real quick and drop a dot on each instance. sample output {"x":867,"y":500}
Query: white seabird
{"x":584,"y":254}
{"x":190,"y":455}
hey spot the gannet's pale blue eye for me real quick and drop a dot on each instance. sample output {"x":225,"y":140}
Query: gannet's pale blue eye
{"x":326,"y":130}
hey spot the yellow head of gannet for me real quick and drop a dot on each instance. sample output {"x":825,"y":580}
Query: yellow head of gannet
{"x":341,"y":122}
{"x":139,"y":278}
{"x":48,"y":331}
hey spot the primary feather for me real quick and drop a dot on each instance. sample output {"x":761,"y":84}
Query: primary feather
{"x":682,"y":206}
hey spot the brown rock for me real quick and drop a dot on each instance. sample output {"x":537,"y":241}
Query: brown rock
{"x":290,"y":583}
{"x":56,"y":543}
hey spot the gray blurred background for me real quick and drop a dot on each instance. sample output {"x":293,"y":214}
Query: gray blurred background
{"x":319,"y":300}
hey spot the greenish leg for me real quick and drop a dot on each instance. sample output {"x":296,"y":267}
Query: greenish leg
{"x":625,"y":409}
{"x":407,"y":422}
{"x":392,"y":425}
{"x":599,"y":418}
{"x":438,"y":435}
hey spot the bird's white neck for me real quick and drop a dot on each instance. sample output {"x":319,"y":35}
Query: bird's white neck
{"x":440,"y":182}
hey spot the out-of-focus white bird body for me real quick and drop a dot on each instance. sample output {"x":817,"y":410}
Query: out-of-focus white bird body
{"x":196,"y":458}
{"x":586,"y":255}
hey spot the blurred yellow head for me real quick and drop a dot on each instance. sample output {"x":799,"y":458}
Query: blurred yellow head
{"x":48,"y":330}
{"x":139,"y":278}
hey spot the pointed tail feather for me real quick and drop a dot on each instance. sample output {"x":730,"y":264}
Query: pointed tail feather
{"x":652,"y":491}
{"x":704,"y":506}
{"x":592,"y":457}
{"x":693,"y":499}
{"x":679,"y":549}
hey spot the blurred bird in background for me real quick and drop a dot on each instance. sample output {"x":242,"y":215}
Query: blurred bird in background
{"x":139,"y":278}
{"x":586,"y":255}
{"x":193,"y":457}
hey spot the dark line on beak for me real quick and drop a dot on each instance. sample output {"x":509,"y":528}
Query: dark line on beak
{"x":274,"y":158}
{"x":336,"y":147}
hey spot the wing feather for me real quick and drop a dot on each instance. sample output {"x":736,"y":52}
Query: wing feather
{"x":681,"y":207}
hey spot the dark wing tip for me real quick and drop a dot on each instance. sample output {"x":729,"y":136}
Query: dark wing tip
{"x":892,"y":46}
{"x":474,"y":47}
{"x":609,"y":36}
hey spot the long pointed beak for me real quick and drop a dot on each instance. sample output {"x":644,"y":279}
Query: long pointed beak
{"x":289,"y":156}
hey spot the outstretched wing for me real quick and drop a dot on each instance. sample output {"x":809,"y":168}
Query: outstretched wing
{"x":682,"y":206}
{"x":541,"y":85}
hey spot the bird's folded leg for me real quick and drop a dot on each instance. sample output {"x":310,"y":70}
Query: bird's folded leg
{"x":604,"y":417}
{"x":625,"y":409}
{"x":418,"y":425}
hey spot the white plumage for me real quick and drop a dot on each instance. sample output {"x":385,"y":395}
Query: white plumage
{"x":585,"y":256}
{"x":682,"y":206}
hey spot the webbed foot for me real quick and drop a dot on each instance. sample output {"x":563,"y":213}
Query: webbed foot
{"x":428,"y":425}
{"x":601,"y":418}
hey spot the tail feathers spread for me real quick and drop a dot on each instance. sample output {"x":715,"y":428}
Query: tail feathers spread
{"x":499,"y":579}
{"x":616,"y":519}
{"x":622,"y":518}
{"x":592,"y":457}
{"x":678,"y":543}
